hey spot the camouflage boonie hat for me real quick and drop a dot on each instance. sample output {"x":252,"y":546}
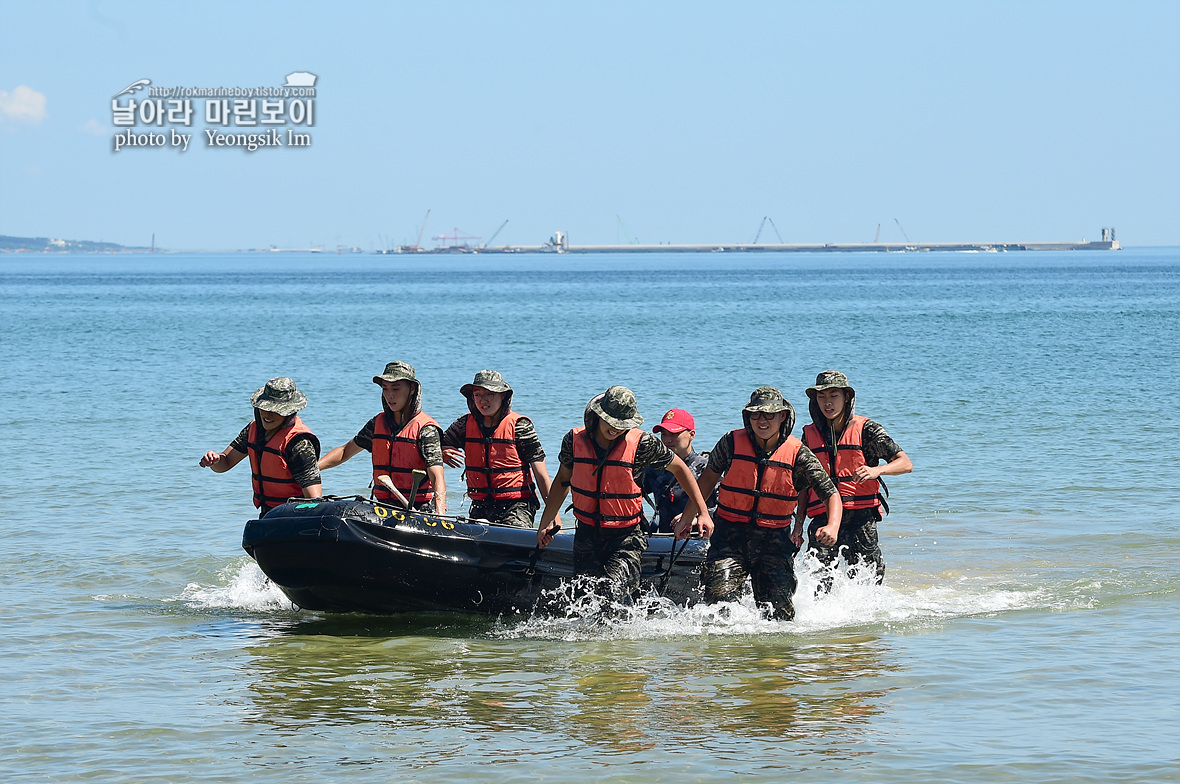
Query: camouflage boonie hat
{"x":489,"y":380}
{"x":766,"y":400}
{"x":396,"y":371}
{"x":279,"y":396}
{"x":830,"y":379}
{"x":617,"y":407}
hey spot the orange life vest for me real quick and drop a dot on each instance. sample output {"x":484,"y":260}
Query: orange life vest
{"x":755,"y":491}
{"x":849,"y":456}
{"x":397,"y":455}
{"x":604,"y":491}
{"x":269,"y":472}
{"x":494,"y":467}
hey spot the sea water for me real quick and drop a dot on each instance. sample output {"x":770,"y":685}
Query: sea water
{"x":1026,"y":630}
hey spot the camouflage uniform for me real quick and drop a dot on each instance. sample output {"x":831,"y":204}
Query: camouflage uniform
{"x":519,"y":513}
{"x":429,"y":446}
{"x":613,"y":554}
{"x":765,"y":555}
{"x":651,"y":452}
{"x":809,"y":472}
{"x":858,"y":538}
{"x":429,"y":441}
{"x":429,"y":437}
{"x":301,"y":457}
{"x":302,"y":454}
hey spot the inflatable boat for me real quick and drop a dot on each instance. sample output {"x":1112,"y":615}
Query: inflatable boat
{"x":356,"y":555}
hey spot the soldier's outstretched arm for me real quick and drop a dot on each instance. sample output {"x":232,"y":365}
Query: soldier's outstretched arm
{"x":339,"y":455}
{"x":438,"y":484}
{"x":900,"y":464}
{"x":541,"y":474}
{"x":696,"y":508}
{"x":221,"y":462}
{"x":708,"y":482}
{"x":800,"y":518}
{"x":549,"y":526}
{"x":830,"y":533}
{"x":453,"y":442}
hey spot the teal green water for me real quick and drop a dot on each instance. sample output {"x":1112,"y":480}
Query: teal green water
{"x":1026,"y":631}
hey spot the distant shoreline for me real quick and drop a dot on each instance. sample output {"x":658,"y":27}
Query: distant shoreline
{"x":45,"y":245}
{"x":52,"y":245}
{"x":907,"y":247}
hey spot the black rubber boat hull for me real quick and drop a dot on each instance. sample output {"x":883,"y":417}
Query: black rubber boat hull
{"x":351,"y":555}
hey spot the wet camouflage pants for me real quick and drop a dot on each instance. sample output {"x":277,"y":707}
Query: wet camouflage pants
{"x":857,"y":541}
{"x":515,"y":513}
{"x":765,"y":555}
{"x":612,"y":556}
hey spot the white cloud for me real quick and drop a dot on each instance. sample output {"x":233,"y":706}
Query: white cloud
{"x":23,"y":103}
{"x":93,"y":126}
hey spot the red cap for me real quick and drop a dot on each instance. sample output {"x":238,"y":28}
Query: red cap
{"x":676,"y":420}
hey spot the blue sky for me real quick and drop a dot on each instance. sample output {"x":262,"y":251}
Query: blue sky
{"x":689,"y":121}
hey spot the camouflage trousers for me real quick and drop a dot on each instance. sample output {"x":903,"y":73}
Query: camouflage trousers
{"x":857,"y":542}
{"x":518,"y":514}
{"x":611,"y":555}
{"x":765,"y":555}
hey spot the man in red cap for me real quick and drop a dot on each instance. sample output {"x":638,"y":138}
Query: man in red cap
{"x":677,"y":429}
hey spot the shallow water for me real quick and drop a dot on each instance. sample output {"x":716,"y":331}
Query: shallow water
{"x":1026,"y":631}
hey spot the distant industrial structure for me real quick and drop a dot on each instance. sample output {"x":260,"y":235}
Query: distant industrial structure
{"x":458,"y":242}
{"x":560,"y":243}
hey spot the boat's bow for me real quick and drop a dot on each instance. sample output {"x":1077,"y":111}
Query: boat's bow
{"x":348,"y":554}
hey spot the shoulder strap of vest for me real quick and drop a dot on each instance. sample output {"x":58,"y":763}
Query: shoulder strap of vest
{"x":593,"y":445}
{"x":855,"y":432}
{"x":482,"y":432}
{"x":525,"y":467}
{"x":743,"y":446}
{"x":261,"y":442}
{"x":812,"y":437}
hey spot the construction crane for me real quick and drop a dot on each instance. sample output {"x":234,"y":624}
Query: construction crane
{"x":763,"y":225}
{"x":418,"y":244}
{"x":631,"y":239}
{"x":495,"y":234}
{"x":907,"y":237}
{"x":455,"y":239}
{"x":877,"y":236}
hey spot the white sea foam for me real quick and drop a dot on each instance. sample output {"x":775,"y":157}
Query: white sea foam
{"x":853,"y":601}
{"x":242,"y":585}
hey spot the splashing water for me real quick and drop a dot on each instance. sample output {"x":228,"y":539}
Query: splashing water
{"x":854,"y":600}
{"x":244,"y":587}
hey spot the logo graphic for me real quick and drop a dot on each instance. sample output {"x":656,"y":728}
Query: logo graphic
{"x":134,"y":87}
{"x":300,"y":79}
